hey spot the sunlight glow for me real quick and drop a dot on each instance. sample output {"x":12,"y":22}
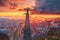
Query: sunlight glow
{"x":22,"y":15}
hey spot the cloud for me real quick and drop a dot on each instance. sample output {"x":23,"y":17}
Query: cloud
{"x":48,"y":5}
{"x":15,"y":4}
{"x":2,"y":2}
{"x":53,"y":5}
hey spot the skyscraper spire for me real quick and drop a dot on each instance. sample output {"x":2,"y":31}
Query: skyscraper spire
{"x":27,"y":30}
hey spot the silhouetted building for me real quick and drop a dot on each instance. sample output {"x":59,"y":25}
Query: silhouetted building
{"x":27,"y":30}
{"x":4,"y":34}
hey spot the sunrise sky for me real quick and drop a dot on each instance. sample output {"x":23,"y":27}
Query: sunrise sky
{"x":12,"y":7}
{"x":15,"y":5}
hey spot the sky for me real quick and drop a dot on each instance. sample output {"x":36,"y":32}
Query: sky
{"x":48,"y":5}
{"x":14,"y":5}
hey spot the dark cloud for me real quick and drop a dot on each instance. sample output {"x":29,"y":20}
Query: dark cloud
{"x":13,"y":5}
{"x":48,"y":5}
{"x":53,"y":5}
{"x":2,"y":2}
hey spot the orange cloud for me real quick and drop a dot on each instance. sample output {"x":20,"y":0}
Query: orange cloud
{"x":17,"y":4}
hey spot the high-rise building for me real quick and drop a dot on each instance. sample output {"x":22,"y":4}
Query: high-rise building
{"x":27,"y":30}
